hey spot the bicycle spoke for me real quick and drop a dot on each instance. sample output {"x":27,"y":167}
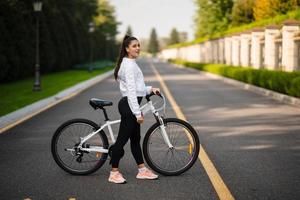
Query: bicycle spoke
{"x":180,"y":158}
{"x":167,"y":161}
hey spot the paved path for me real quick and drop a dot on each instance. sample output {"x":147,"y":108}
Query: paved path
{"x":252,"y":141}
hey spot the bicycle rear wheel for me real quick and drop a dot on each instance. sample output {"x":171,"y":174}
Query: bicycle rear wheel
{"x":176,"y":160}
{"x":70,"y":158}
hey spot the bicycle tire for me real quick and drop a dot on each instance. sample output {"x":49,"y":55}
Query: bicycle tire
{"x":65,"y":132}
{"x":154,"y":145}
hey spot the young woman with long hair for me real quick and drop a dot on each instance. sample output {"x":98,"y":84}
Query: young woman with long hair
{"x":133,"y":89}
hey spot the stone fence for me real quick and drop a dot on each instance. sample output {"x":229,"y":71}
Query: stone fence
{"x":273,"y":47}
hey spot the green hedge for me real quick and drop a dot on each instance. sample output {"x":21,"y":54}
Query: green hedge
{"x":94,"y":65}
{"x":279,"y":81}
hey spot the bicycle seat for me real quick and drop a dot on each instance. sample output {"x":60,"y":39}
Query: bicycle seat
{"x":99,"y":103}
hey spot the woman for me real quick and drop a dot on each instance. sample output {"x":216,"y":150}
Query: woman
{"x":133,"y":89}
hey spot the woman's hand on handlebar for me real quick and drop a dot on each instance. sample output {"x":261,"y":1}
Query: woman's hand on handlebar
{"x":155,"y":90}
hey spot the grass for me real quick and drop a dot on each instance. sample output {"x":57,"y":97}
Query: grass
{"x":19,"y":94}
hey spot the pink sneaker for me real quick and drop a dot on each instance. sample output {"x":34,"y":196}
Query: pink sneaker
{"x":146,"y":174}
{"x":116,"y":177}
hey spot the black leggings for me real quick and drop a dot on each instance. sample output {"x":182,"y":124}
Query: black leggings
{"x":129,"y":128}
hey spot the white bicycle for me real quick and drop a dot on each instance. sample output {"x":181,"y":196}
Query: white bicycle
{"x":170,"y":146}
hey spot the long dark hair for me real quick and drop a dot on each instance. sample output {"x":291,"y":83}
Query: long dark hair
{"x":126,"y":41}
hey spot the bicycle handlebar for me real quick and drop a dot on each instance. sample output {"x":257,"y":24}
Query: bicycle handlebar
{"x":151,"y":94}
{"x":161,"y":96}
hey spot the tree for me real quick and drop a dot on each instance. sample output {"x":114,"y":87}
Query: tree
{"x":174,"y":37}
{"x":284,"y":6}
{"x":212,"y":16}
{"x":153,"y":46}
{"x":270,"y":8}
{"x":64,"y":39}
{"x":264,"y":9}
{"x":129,"y":31}
{"x":106,"y":30}
{"x":242,"y":12}
{"x":105,"y":19}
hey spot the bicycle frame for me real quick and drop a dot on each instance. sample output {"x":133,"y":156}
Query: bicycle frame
{"x":145,"y":109}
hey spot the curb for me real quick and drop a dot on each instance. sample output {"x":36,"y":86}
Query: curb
{"x":14,"y":118}
{"x":262,"y":91}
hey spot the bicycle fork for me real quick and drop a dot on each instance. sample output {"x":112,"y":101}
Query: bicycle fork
{"x":163,"y":132}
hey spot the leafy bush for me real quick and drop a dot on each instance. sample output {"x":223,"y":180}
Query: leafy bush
{"x":295,"y":87}
{"x":94,"y":65}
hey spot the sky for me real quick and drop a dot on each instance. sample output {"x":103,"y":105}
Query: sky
{"x":163,"y":15}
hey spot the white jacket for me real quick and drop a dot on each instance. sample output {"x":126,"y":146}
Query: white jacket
{"x":132,"y":84}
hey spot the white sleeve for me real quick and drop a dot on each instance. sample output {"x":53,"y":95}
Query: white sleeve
{"x":131,"y":87}
{"x":148,"y":89}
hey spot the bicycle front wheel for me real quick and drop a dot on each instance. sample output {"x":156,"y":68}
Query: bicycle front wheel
{"x":68,"y":156}
{"x":176,"y":160}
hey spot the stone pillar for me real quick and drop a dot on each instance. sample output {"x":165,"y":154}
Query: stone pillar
{"x":198,"y":53}
{"x":215,"y":51}
{"x":236,"y":41}
{"x":297,"y":40}
{"x":177,"y":53}
{"x":184,"y":53}
{"x":202,"y":53}
{"x":168,"y":54}
{"x":189,"y":53}
{"x":208,"y":51}
{"x":193,"y":53}
{"x":245,"y":48}
{"x":228,"y":50}
{"x":258,"y":35}
{"x":290,"y":45}
{"x":221,"y":58}
{"x":180,"y":53}
{"x":272,"y":32}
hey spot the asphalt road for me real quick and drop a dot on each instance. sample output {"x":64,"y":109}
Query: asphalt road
{"x":252,"y":141}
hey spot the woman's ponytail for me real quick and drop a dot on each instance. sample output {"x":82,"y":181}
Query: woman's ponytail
{"x":123,"y":53}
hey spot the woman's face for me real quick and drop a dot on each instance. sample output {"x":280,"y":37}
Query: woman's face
{"x":133,"y":49}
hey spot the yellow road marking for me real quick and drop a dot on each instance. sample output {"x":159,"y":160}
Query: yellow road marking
{"x":215,"y":178}
{"x":190,"y":148}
